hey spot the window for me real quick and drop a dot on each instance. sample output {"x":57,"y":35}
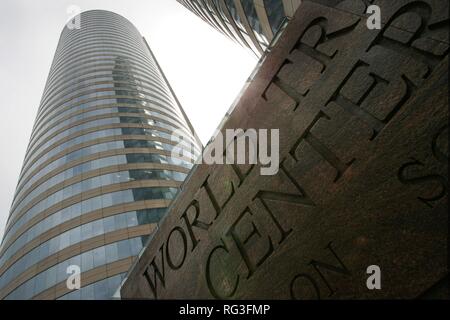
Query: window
{"x":86,"y":184}
{"x":99,"y":256}
{"x":74,"y":295}
{"x":57,"y":218}
{"x":131,"y":219}
{"x":75,"y":235}
{"x":253,"y":20}
{"x":106,"y":179}
{"x":123,"y":248}
{"x":29,"y":289}
{"x":50,"y":277}
{"x":113,"y":283}
{"x":87,"y":293}
{"x":75,"y":210}
{"x":86,"y":231}
{"x":53,"y":245}
{"x":108,"y":224}
{"x":101,"y":290}
{"x":97,"y":227}
{"x":62,"y":271}
{"x":107,"y":200}
{"x":87,"y":261}
{"x":39,"y":283}
{"x":44,"y":250}
{"x":111,"y":252}
{"x":136,"y":246}
{"x":86,"y":206}
{"x":75,"y":260}
{"x":275,"y":13}
{"x":120,"y":221}
{"x":64,"y":240}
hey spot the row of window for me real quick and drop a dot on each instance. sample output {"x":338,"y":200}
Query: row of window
{"x":84,"y":39}
{"x":42,"y":151}
{"x":144,"y":116}
{"x":44,"y":110}
{"x":93,"y":21}
{"x":86,"y":261}
{"x":76,"y":96}
{"x":116,"y":63}
{"x":103,"y":147}
{"x":33,"y":176}
{"x":21,"y":190}
{"x":65,"y":76}
{"x":273,"y":8}
{"x":58,"y":115}
{"x":209,"y":15}
{"x":77,"y":235}
{"x":100,"y":28}
{"x":86,"y":167}
{"x":150,"y":103}
{"x":67,"y":54}
{"x":64,"y":129}
{"x":116,"y":26}
{"x":72,"y":91}
{"x":253,"y":21}
{"x":86,"y":80}
{"x":101,"y":96}
{"x":108,"y":146}
{"x":109,"y":65}
{"x":87,"y":125}
{"x":19,"y":202}
{"x":232,"y":10}
{"x":231,"y":6}
{"x":97,"y":182}
{"x":75,"y":55}
{"x":137,"y":55}
{"x":93,"y":37}
{"x":47,"y":154}
{"x":93,"y":52}
{"x":61,"y":146}
{"x":103,"y":201}
{"x":75,"y":63}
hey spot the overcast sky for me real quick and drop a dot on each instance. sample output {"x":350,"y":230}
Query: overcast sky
{"x":206,"y":70}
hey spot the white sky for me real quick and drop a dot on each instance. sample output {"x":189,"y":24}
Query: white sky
{"x":205,"y":69}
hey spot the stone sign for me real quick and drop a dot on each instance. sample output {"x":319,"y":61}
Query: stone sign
{"x":358,"y":208}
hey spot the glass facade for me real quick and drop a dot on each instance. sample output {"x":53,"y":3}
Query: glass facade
{"x":101,"y":166}
{"x":251,"y":23}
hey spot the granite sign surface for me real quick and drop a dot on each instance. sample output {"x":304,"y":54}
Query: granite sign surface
{"x":363,"y":177}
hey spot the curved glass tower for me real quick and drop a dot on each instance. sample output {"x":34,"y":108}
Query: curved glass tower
{"x":101,"y":166}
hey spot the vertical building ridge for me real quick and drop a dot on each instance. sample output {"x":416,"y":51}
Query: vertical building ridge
{"x":251,"y":23}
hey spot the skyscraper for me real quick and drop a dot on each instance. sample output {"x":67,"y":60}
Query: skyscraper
{"x":101,"y":166}
{"x":251,"y":23}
